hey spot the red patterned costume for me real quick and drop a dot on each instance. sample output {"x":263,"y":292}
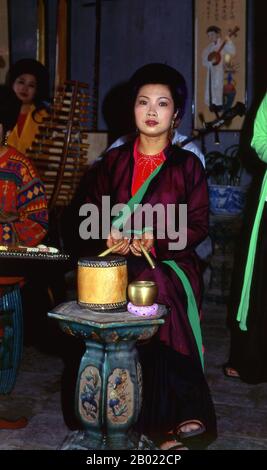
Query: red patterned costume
{"x":22,"y":194}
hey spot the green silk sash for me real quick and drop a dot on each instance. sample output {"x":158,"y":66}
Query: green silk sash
{"x":245,"y":294}
{"x":192,"y":310}
{"x":132,"y":204}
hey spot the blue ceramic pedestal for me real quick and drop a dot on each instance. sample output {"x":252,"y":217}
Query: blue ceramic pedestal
{"x":109,"y":385}
{"x":11,"y":338}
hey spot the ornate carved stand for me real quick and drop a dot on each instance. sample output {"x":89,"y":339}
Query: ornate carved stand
{"x":109,"y":384}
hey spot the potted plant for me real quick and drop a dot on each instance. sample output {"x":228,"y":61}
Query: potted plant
{"x":224,"y":170}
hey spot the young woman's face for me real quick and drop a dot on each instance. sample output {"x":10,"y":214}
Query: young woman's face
{"x":25,"y":87}
{"x":154,"y":110}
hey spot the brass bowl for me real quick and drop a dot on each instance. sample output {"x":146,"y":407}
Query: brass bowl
{"x":142,"y":292}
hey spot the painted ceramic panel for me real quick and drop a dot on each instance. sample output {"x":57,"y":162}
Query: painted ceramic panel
{"x":89,"y":396}
{"x":120,"y":397}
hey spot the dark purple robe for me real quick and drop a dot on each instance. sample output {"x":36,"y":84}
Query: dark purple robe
{"x":181,"y":180}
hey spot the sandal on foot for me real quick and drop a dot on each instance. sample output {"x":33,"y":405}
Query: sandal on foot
{"x":230,"y":372}
{"x":194,"y":432}
{"x":172,"y":440}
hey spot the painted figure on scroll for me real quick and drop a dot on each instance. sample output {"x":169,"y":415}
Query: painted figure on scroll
{"x":28,"y":78}
{"x":177,"y":409}
{"x":214,"y":57}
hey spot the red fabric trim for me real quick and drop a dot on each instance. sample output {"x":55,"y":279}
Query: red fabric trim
{"x":144,"y":165}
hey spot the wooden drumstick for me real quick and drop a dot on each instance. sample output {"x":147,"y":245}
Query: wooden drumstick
{"x":148,"y":257}
{"x":109,"y":250}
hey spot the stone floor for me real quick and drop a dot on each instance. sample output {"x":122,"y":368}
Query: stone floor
{"x":241,"y":408}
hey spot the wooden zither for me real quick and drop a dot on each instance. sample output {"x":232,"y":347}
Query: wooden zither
{"x":59,"y":150}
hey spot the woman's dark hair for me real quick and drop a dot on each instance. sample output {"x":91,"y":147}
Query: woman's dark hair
{"x":39,"y":71}
{"x":9,"y":108}
{"x":165,"y":75}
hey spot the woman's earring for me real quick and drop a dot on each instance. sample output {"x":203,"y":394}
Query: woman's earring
{"x":5,"y":139}
{"x":171,"y":130}
{"x":137,"y":131}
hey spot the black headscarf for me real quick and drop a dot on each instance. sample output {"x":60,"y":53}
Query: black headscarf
{"x":9,"y":108}
{"x":165,"y":75}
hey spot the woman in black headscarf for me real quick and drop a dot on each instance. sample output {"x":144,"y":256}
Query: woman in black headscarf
{"x":177,"y":409}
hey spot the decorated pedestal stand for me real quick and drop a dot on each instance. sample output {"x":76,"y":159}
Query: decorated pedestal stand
{"x":11,"y":338}
{"x":13,"y":265}
{"x":109,"y":385}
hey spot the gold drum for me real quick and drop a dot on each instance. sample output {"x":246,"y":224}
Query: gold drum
{"x":102,"y":282}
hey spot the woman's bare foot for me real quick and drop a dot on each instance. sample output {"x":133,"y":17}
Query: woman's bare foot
{"x":190,"y":428}
{"x":230,"y":372}
{"x":170,"y":442}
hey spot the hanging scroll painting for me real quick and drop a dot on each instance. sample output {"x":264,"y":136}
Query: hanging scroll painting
{"x":219,"y":59}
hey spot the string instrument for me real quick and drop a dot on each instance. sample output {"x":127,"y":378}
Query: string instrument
{"x":215,"y":57}
{"x":59,"y":150}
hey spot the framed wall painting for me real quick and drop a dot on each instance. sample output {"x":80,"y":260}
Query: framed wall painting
{"x":219,"y":59}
